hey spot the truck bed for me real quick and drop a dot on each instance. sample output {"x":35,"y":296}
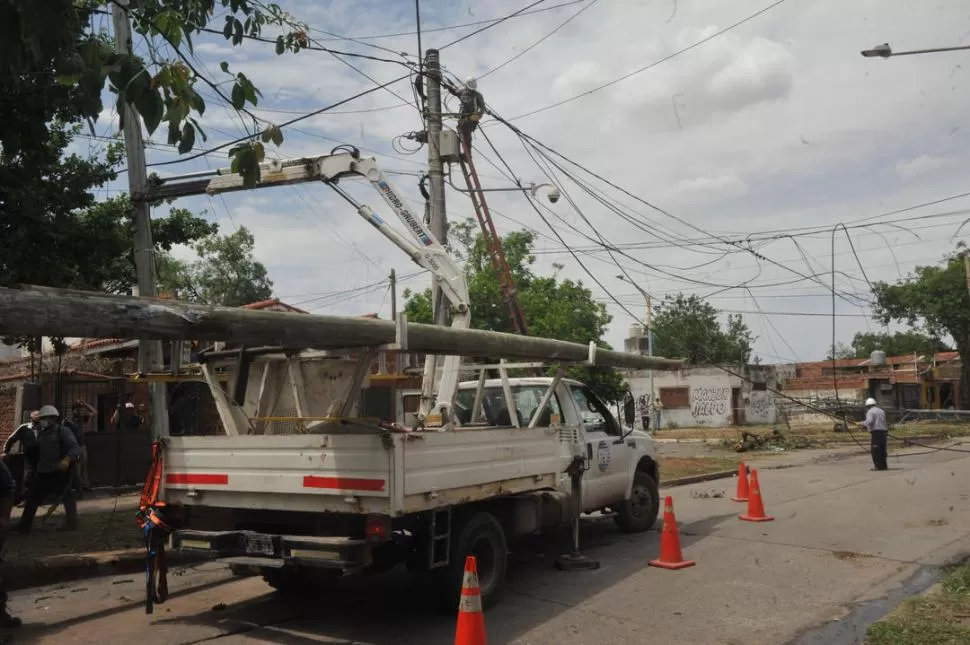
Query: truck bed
{"x":363,"y":472}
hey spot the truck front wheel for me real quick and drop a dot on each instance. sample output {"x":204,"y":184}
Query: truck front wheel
{"x":481,"y":536}
{"x":639,"y":513}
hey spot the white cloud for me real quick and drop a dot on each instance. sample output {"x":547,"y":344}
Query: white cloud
{"x":776,"y":125}
{"x":910,"y":168}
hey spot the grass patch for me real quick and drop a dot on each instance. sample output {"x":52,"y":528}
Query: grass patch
{"x":938,"y":618}
{"x":677,"y":467}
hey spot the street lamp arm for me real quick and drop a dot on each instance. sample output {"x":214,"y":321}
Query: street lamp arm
{"x":885,"y":51}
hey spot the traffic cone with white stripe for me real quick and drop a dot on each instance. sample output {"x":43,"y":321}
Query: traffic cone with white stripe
{"x":471,"y":620}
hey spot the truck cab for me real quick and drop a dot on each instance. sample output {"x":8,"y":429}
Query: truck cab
{"x":620,"y":464}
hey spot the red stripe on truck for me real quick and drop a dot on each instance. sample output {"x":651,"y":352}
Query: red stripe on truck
{"x":343,"y":483}
{"x":197,"y":478}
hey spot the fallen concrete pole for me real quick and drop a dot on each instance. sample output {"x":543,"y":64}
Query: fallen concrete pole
{"x":43,"y":311}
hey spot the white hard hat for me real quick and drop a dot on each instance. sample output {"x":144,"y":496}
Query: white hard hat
{"x":870,"y":401}
{"x":48,"y":411}
{"x":471,"y":83}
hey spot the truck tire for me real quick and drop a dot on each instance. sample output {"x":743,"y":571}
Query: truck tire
{"x":639,"y":513}
{"x":482,"y":536}
{"x":290,"y":581}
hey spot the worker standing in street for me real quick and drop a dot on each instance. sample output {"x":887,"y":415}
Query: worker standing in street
{"x":57,"y":451}
{"x":875,"y":423}
{"x":26,"y":436}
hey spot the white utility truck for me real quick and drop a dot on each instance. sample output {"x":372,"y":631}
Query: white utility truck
{"x":303,"y":491}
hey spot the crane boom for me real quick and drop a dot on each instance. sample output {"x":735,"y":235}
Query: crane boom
{"x":423,"y":248}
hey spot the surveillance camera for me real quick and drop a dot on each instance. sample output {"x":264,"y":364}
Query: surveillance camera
{"x":554,"y":195}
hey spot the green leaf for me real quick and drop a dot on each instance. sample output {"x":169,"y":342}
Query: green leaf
{"x":149,"y":104}
{"x":238,"y":96}
{"x":68,"y":81}
{"x":227,"y":29}
{"x":280,"y":45}
{"x":265,"y":136}
{"x":224,"y":66}
{"x":277,"y":136}
{"x":188,"y":139}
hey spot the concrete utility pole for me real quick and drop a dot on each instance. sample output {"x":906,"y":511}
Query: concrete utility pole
{"x":649,"y":320}
{"x":393,"y":279}
{"x":149,"y":351}
{"x":436,"y":172}
{"x":66,"y":312}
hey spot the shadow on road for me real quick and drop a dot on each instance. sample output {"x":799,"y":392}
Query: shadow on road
{"x":394,"y":609}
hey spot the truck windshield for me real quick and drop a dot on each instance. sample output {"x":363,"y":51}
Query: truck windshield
{"x":494,"y":411}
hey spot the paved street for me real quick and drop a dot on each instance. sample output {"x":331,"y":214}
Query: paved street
{"x":843,"y":535}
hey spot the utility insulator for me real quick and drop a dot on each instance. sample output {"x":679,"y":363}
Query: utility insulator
{"x":448,"y":148}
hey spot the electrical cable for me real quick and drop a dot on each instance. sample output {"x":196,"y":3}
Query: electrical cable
{"x":651,"y":65}
{"x":490,"y":25}
{"x":459,"y":26}
{"x":538,"y":42}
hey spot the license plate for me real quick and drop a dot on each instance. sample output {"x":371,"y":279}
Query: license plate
{"x":259,"y":545}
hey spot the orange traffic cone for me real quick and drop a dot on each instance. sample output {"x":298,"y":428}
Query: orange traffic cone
{"x":670,"y":554}
{"x":756,"y":507}
{"x":471,"y":620}
{"x":742,"y":494}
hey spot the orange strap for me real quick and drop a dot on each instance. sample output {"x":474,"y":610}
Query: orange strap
{"x":149,"y":494}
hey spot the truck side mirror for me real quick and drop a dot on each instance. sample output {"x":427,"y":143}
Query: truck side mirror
{"x":629,"y":409}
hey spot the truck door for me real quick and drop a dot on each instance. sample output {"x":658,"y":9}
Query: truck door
{"x":609,"y":456}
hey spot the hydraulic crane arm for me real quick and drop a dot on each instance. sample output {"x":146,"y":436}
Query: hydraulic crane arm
{"x":423,"y":248}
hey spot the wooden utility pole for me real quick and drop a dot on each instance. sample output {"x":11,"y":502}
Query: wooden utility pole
{"x":393,"y":279}
{"x":149,"y":351}
{"x":65,"y":312}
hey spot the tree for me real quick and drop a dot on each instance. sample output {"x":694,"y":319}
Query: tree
{"x":687,"y":327}
{"x":554,"y":307}
{"x":225,"y":274}
{"x":842,"y":352}
{"x":54,"y":38}
{"x":896,"y":344}
{"x":935,"y":299}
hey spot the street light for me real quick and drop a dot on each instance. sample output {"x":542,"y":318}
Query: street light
{"x":885,"y":51}
{"x":552,"y":194}
{"x":649,"y":320}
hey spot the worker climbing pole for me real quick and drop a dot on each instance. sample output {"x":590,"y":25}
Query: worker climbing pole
{"x":471,"y":111}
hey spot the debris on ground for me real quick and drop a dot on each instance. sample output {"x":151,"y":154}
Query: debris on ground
{"x":707,"y":494}
{"x":774,"y":441}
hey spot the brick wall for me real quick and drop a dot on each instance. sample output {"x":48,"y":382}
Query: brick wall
{"x":8,"y":402}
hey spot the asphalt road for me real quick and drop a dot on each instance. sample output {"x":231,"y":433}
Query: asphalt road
{"x":843,"y":535}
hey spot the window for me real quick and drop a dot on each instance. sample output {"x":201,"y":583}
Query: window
{"x":596,"y":416}
{"x":526,"y":399}
{"x":674,"y":398}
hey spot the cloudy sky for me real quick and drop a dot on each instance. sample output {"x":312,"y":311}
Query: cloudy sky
{"x":738,"y":136}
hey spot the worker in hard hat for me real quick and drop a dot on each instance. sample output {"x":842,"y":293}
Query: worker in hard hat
{"x":878,"y":429}
{"x":57,"y":452}
{"x":471,"y":110}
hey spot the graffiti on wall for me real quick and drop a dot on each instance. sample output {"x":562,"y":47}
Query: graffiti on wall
{"x":710,"y":401}
{"x":761,"y":407}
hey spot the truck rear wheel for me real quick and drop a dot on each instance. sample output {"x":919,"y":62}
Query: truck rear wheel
{"x":481,"y":536}
{"x":639,"y":513}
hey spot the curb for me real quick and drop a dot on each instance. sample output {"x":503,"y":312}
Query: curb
{"x":57,"y":569}
{"x":696,"y":479}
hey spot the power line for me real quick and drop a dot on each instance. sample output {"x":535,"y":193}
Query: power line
{"x":490,"y":25}
{"x":538,"y":42}
{"x":651,"y":65}
{"x":476,"y":23}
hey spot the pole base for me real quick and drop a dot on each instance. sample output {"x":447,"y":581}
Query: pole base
{"x":576,"y":562}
